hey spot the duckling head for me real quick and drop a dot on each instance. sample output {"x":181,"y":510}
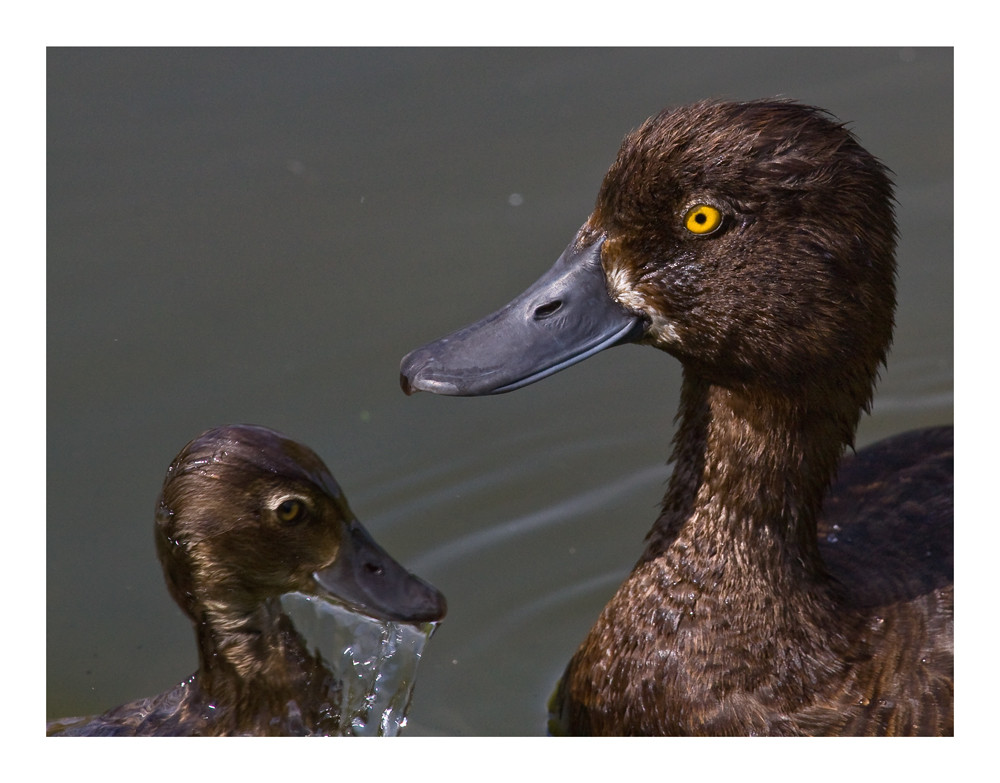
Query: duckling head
{"x":753,"y":241}
{"x":247,"y":515}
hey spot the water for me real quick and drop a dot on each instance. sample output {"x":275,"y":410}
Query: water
{"x":260,"y":236}
{"x":375,"y":662}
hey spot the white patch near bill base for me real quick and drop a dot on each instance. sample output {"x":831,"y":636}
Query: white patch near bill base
{"x":623,"y":291}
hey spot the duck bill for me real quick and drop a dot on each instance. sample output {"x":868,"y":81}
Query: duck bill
{"x":565,"y":317}
{"x":367,"y":579}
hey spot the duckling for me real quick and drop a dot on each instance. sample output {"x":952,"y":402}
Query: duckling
{"x":245,"y":516}
{"x":784,"y":589}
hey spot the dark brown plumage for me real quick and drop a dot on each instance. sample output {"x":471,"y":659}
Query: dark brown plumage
{"x":754,"y":242}
{"x":245,"y":516}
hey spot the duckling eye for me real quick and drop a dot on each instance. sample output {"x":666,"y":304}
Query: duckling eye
{"x":291,"y":511}
{"x":702,"y":219}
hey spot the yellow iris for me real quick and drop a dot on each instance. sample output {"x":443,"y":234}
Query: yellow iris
{"x":290,"y":511}
{"x":702,"y":219}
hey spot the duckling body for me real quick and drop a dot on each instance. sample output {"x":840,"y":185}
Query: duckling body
{"x":246,"y":516}
{"x":784,"y":588}
{"x":289,"y":692}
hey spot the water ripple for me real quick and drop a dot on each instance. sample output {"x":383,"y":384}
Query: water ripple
{"x":557,"y":513}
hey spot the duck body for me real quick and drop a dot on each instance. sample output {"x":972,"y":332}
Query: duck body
{"x":245,"y":517}
{"x":717,"y":633}
{"x":784,"y":588}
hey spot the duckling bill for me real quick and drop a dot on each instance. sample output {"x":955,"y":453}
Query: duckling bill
{"x":784,"y":588}
{"x":247,"y":516}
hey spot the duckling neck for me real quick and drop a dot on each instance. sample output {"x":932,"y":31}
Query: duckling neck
{"x":749,"y":476}
{"x":254,"y":663}
{"x":238,"y":642}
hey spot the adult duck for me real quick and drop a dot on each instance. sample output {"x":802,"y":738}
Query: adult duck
{"x":246,"y":516}
{"x":755,"y":242}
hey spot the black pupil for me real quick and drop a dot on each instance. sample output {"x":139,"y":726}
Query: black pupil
{"x":700,"y":217}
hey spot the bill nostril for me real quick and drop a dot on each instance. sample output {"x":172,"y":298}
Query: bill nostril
{"x":547,"y":309}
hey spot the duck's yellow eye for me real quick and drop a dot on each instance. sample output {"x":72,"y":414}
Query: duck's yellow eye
{"x":291,"y":511}
{"x":702,"y":219}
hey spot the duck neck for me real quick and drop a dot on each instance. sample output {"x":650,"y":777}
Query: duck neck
{"x":750,"y":472}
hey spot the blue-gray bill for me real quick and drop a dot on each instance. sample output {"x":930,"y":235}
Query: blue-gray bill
{"x":565,"y":317}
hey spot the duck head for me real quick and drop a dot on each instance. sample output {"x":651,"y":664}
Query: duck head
{"x":753,"y":241}
{"x":247,"y":515}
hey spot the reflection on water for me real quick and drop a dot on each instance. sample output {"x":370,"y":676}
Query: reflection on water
{"x":375,"y":662}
